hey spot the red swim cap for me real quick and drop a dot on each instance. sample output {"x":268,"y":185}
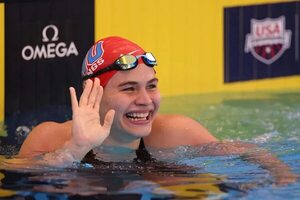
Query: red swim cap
{"x":104,"y":53}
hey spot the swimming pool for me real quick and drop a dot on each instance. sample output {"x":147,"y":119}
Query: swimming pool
{"x":269,"y":119}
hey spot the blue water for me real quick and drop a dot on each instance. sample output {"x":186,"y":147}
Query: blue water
{"x":271,"y":120}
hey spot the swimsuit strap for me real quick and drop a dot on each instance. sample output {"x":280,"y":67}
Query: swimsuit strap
{"x":141,"y":145}
{"x":142,"y":155}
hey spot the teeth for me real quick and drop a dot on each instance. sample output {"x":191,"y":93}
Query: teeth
{"x":138,"y":116}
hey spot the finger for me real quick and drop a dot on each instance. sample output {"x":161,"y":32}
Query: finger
{"x":98,"y":99}
{"x":74,"y":101}
{"x":108,"y":120}
{"x":86,"y":91}
{"x":94,"y":92}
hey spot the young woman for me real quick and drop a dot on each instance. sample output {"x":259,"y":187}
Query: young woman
{"x":119,"y":106}
{"x":117,"y":113}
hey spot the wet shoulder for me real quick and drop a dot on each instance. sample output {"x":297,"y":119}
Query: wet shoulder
{"x":47,"y":136}
{"x":54,"y":129}
{"x":170,"y":131}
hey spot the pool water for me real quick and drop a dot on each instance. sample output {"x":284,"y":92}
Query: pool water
{"x":269,"y":119}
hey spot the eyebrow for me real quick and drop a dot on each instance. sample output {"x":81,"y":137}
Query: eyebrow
{"x":135,"y":83}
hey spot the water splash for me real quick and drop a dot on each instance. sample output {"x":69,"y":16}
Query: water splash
{"x":266,"y":137}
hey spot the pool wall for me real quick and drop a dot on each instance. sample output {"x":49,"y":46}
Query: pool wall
{"x":189,"y":40}
{"x":192,"y":41}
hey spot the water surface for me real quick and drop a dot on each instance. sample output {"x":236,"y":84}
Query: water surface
{"x":268,"y":119}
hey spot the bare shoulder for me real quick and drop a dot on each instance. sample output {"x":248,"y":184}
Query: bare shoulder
{"x":45,"y":137}
{"x":175,"y":130}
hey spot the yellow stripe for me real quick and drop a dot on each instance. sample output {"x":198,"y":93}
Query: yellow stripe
{"x":187,"y":39}
{"x":1,"y":62}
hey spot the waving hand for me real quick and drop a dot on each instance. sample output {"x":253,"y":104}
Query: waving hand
{"x":87,"y":131}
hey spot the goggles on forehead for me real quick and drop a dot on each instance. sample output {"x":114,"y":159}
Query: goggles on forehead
{"x":125,"y":62}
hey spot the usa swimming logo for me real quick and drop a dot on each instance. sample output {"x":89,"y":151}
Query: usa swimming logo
{"x":93,"y":59}
{"x":268,"y":39}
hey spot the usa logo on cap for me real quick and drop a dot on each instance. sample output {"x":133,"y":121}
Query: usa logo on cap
{"x":268,"y":39}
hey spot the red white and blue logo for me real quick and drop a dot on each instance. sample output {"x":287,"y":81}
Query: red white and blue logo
{"x":93,"y":59}
{"x":268,"y":39}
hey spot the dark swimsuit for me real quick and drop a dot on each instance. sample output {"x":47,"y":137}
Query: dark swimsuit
{"x":144,"y":162}
{"x":142,"y":155}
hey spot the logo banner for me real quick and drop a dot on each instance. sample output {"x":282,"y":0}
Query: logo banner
{"x":45,"y":43}
{"x":261,"y":41}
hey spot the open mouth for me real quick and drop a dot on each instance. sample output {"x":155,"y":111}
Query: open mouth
{"x":134,"y":116}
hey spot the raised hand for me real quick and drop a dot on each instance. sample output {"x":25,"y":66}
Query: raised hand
{"x":87,"y":131}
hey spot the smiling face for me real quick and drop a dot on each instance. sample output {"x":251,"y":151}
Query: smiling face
{"x":134,"y":95}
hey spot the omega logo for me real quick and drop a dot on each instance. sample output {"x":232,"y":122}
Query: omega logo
{"x":51,"y":49}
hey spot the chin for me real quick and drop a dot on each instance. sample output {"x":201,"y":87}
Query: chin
{"x":139,"y":132}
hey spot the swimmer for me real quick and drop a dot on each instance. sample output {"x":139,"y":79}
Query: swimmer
{"x":118,"y":112}
{"x":119,"y":106}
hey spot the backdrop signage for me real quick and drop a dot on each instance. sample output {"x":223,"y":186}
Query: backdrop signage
{"x":261,"y":41}
{"x":50,"y":48}
{"x":45,"y":43}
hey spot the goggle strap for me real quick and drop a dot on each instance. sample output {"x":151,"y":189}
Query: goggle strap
{"x":101,"y":71}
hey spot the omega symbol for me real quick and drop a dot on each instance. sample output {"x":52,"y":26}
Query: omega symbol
{"x":55,"y":35}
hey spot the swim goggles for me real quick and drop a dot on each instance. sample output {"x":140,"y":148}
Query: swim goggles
{"x":125,"y":62}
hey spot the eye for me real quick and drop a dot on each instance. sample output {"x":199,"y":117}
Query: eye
{"x":128,"y":89}
{"x":152,"y":86}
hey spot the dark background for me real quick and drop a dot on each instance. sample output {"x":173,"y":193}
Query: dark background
{"x":37,"y":90}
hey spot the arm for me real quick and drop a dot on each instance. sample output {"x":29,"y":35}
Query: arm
{"x":46,"y":137}
{"x":86,"y":132}
{"x":175,"y":130}
{"x":280,"y":171}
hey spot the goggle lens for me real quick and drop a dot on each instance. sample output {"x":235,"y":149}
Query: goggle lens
{"x":126,"y":62}
{"x":149,"y":59}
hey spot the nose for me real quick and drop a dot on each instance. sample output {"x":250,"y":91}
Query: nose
{"x":143,"y":98}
